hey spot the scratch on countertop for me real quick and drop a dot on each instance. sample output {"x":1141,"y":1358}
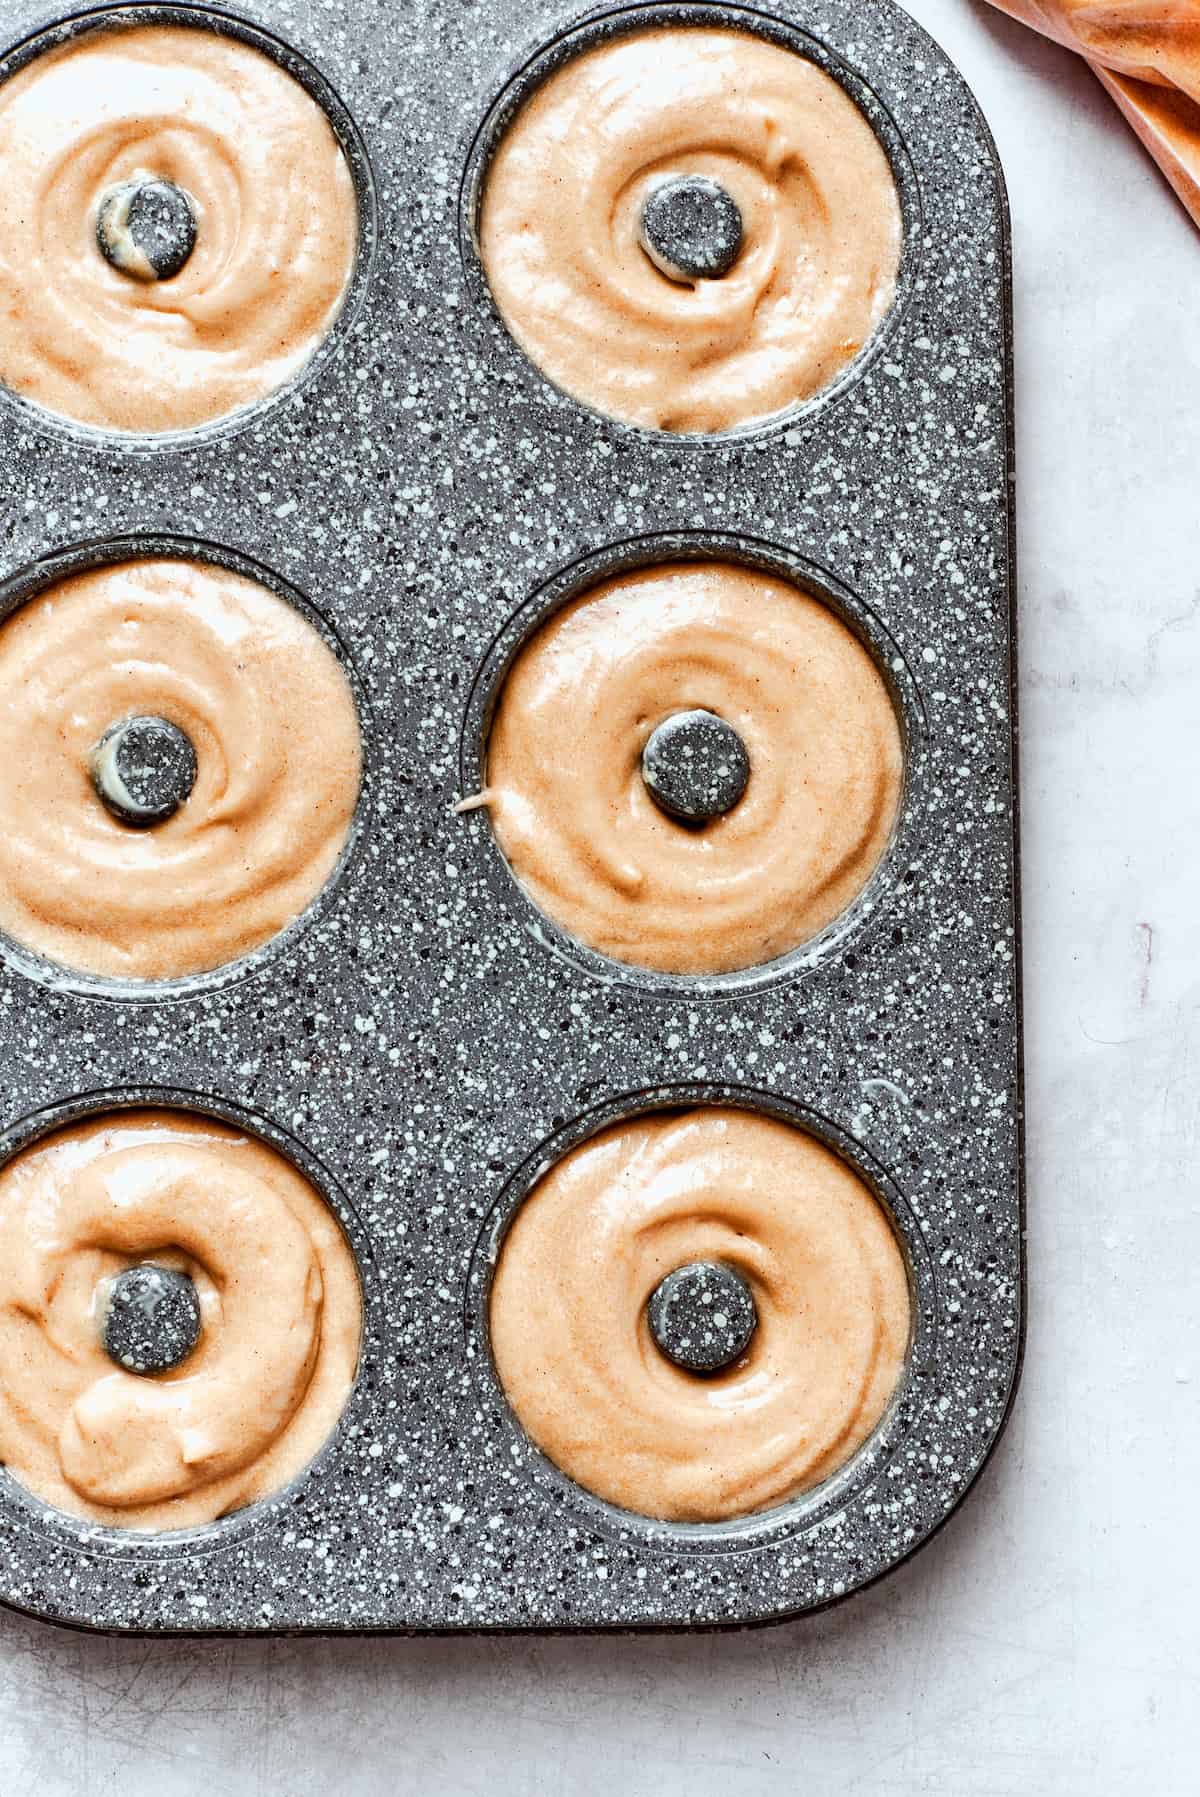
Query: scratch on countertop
{"x":1147,"y":934}
{"x":1109,"y":682}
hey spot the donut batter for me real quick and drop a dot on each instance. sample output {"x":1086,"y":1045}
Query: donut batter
{"x":562,"y":205}
{"x":276,"y":238}
{"x":573,"y":1347}
{"x":280,"y":1320}
{"x":275,"y":729}
{"x":571,"y":811}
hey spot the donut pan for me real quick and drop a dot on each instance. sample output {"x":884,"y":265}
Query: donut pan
{"x":423,"y":1043}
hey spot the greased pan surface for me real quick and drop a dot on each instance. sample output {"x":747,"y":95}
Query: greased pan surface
{"x":424,"y":1042}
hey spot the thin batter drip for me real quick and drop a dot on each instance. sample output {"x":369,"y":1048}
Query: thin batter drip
{"x":280,"y":1320}
{"x":573,"y":1347}
{"x":563,"y":205}
{"x":271,"y":716}
{"x":276,"y":227}
{"x":570,"y":808}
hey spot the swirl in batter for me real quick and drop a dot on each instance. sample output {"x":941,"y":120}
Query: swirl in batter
{"x":574,"y":1351}
{"x":279,"y":1302}
{"x":273,"y":721}
{"x":562,"y":208}
{"x":276,"y":227}
{"x":572,"y":814}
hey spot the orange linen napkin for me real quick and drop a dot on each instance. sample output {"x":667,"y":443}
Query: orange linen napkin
{"x":1147,"y":54}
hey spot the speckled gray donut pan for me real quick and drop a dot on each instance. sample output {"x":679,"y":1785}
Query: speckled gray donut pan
{"x":423,"y":1042}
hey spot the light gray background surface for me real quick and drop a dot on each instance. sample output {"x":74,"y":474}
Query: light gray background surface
{"x":1046,"y":1641}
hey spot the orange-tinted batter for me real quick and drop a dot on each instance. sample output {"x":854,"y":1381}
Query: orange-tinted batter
{"x":561,"y":212}
{"x":573,"y":1347}
{"x":572,"y":814}
{"x":280,"y":1308}
{"x":273,"y":721}
{"x":276,"y":227}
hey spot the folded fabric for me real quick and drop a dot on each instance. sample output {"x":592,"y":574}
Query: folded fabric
{"x":1147,"y":54}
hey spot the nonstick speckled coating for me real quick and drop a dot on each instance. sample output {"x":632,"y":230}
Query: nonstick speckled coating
{"x":424,"y":1042}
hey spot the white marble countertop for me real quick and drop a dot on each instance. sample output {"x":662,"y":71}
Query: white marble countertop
{"x":1046,"y":1641}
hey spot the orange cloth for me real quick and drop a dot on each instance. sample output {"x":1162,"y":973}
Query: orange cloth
{"x":1147,"y":54}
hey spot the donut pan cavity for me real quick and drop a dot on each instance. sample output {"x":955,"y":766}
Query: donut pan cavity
{"x":425,"y":1041}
